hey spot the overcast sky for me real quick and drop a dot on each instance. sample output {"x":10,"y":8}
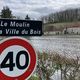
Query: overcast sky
{"x":37,"y":8}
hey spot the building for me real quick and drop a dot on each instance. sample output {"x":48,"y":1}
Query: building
{"x":73,"y":30}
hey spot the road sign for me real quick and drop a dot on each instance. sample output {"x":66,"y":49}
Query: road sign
{"x":13,"y":27}
{"x":17,"y":59}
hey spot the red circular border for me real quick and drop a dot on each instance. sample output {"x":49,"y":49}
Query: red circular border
{"x":26,"y":45}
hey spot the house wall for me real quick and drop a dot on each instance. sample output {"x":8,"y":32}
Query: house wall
{"x":73,"y":30}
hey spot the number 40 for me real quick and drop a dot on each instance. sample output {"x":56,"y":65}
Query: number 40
{"x":11,"y":64}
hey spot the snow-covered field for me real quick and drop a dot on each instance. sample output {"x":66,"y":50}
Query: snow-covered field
{"x":65,"y":45}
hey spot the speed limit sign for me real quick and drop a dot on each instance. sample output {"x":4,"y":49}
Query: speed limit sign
{"x":17,"y":59}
